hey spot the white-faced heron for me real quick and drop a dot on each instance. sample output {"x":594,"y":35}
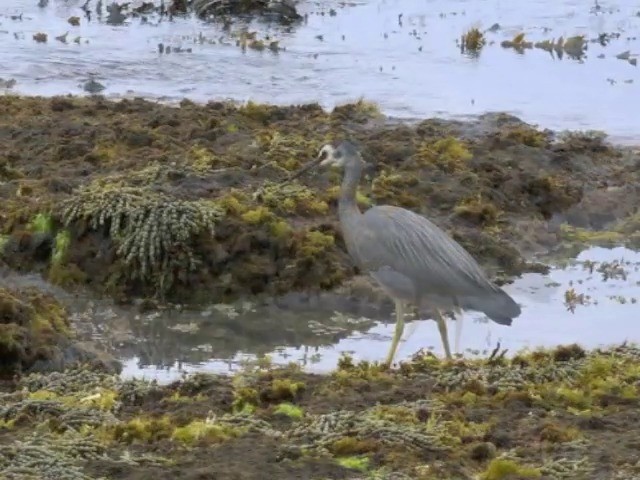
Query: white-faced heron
{"x":413,"y":260}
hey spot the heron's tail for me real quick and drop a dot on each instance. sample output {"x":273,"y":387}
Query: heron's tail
{"x":497,"y":305}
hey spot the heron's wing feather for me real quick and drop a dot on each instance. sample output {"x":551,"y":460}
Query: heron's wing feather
{"x":392,"y":237}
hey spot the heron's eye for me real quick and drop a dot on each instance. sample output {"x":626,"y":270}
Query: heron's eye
{"x":323,"y":154}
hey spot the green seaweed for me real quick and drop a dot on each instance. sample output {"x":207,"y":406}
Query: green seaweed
{"x":287,"y":409}
{"x":154,"y":235}
{"x":354,"y":463}
{"x":41,"y":223}
{"x":61,"y":247}
{"x":501,"y":469}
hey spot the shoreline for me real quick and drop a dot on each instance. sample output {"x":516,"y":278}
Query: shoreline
{"x":561,"y":413}
{"x":618,"y":140}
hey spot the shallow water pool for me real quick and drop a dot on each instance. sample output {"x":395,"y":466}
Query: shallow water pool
{"x":608,"y":316}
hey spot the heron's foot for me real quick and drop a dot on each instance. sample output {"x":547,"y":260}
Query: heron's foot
{"x":458,"y":331}
{"x":455,"y":357}
{"x":387,"y":363}
{"x":442,"y":328}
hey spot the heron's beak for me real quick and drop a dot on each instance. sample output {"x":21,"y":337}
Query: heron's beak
{"x":304,"y":169}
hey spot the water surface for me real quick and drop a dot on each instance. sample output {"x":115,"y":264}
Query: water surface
{"x":412,"y":68}
{"x":608,"y":316}
{"x":315,"y":333}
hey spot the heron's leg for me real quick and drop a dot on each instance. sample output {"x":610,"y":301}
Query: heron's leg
{"x":458,"y":319}
{"x":398,"y":332}
{"x":442,"y":327}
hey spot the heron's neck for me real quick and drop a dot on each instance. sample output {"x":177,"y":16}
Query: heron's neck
{"x":347,"y":204}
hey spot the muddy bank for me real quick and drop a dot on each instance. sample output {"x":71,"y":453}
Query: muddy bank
{"x":564,"y":413}
{"x":137,"y":199}
{"x":37,"y":336}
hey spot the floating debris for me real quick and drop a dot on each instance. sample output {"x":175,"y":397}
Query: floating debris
{"x":115,"y":15}
{"x":62,"y":38}
{"x":40,"y":37}
{"x":518,"y":43}
{"x":572,"y":299}
{"x":93,"y":87}
{"x":8,"y":83}
{"x":624,"y":55}
{"x":472,"y":42}
{"x":574,"y":47}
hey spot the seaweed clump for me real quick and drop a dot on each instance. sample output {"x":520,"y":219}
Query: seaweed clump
{"x":472,"y":42}
{"x":293,"y":199}
{"x":154,"y":235}
{"x":448,"y":154}
{"x":33,"y":329}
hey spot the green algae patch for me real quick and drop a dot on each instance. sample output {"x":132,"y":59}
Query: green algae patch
{"x":525,"y":135}
{"x":479,"y":211}
{"x":354,"y":463}
{"x":185,"y":203}
{"x":291,"y":199}
{"x":315,"y":243}
{"x":42,"y":223}
{"x":288,"y":410}
{"x":204,"y":431}
{"x":467,"y":419}
{"x":503,"y":469}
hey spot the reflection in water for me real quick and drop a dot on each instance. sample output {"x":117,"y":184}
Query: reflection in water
{"x":317,"y":337}
{"x":161,"y":340}
{"x":316,"y":331}
{"x":413,"y":68}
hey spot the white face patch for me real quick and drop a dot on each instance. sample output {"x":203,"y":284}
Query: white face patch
{"x":326,"y":156}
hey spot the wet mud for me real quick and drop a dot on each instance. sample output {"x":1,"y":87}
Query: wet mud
{"x":135,"y":199}
{"x":559,"y":414}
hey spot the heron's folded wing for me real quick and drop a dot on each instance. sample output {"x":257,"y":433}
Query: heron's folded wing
{"x":412,"y":245}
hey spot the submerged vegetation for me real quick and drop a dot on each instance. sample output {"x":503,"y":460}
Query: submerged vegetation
{"x":541,"y":414}
{"x":184,"y":203}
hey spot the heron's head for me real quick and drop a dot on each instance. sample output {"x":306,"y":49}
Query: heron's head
{"x":341,"y":154}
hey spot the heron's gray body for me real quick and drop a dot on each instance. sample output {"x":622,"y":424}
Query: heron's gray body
{"x":412,"y":259}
